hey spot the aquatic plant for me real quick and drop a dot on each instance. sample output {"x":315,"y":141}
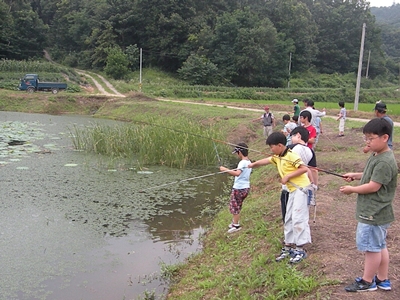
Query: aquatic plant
{"x":171,"y":142}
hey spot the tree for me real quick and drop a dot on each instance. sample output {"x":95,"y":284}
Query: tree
{"x":116,"y":63}
{"x":199,"y":70}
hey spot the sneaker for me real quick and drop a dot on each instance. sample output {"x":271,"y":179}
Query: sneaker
{"x":230,"y":225}
{"x":284,"y":254}
{"x":383,"y":284}
{"x":234,"y":228}
{"x":298,"y":256}
{"x":360,"y":285}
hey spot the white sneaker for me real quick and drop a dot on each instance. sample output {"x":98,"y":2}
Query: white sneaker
{"x":234,"y":228}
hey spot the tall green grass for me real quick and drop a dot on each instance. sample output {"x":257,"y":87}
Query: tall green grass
{"x":188,"y":144}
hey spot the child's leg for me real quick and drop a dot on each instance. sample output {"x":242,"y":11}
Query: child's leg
{"x":284,"y":201}
{"x":300,"y":217}
{"x":236,"y":218}
{"x":371,"y":239}
{"x":288,"y":225}
{"x":383,"y":270}
{"x":236,"y":202}
{"x":372,"y":262}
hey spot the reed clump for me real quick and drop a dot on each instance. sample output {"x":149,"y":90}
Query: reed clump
{"x":187,"y":144}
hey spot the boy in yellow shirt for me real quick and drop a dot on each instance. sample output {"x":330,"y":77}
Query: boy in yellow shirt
{"x":293,"y":173}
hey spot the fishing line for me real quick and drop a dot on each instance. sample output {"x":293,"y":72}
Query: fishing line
{"x":187,"y":179}
{"x":194,"y":134}
{"x":216,"y":151}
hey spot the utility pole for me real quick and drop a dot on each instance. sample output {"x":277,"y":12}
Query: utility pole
{"x":359,"y":69}
{"x":140,"y":71}
{"x":369,"y":57}
{"x":290,"y":68}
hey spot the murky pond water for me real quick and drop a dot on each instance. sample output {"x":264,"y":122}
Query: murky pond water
{"x":76,"y":226}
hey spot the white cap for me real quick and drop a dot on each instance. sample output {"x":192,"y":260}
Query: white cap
{"x":295,"y":100}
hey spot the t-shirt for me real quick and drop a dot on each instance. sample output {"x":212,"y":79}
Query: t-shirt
{"x":289,"y":163}
{"x":296,"y":110}
{"x":288,"y":128}
{"x":343,"y":113}
{"x":243,"y":180}
{"x":306,"y":154}
{"x":376,"y":208}
{"x":314,"y":114}
{"x":312,"y":134}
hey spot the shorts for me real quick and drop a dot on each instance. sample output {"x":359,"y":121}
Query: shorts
{"x":236,"y":200}
{"x":371,"y":238}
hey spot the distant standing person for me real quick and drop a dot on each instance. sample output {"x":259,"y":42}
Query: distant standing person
{"x":380,"y":112}
{"x":296,"y":107}
{"x":268,"y":120}
{"x":318,"y":128}
{"x":241,"y":185}
{"x":314,"y":113}
{"x":374,"y":209}
{"x":341,"y":118}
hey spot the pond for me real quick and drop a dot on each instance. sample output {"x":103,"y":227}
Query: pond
{"x":81,"y":226}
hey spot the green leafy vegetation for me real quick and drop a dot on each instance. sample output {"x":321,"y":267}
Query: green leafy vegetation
{"x":181,"y":142}
{"x":210,"y":42}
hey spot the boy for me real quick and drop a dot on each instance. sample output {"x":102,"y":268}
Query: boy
{"x":293,"y":174}
{"x":287,"y":128}
{"x":305,"y":118}
{"x":374,"y":210}
{"x":341,"y":118}
{"x":241,"y":185}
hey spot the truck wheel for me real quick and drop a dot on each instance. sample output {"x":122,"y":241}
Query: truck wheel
{"x":30,"y":90}
{"x":54,"y":91}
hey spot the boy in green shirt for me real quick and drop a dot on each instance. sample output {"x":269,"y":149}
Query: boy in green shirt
{"x":374,"y":211}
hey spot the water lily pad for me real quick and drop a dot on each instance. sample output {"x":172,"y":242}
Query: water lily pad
{"x":22,"y":168}
{"x":144,"y":172}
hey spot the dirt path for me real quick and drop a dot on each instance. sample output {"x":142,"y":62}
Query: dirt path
{"x":100,"y":87}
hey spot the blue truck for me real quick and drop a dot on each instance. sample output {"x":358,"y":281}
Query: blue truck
{"x":31,"y":83}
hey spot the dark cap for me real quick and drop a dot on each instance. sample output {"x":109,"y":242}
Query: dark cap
{"x":242,"y":147}
{"x":380,"y":106}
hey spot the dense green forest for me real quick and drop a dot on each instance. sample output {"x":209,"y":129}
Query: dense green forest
{"x":388,"y":19}
{"x":236,"y":42}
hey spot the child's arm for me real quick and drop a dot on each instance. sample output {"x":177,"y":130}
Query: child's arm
{"x":259,"y":163}
{"x":367,"y":188}
{"x":339,"y":117}
{"x":352,"y":176}
{"x":234,"y":172}
{"x":301,"y":170}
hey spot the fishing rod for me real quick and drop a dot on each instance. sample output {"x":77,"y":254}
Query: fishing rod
{"x":187,"y":179}
{"x":316,"y":168}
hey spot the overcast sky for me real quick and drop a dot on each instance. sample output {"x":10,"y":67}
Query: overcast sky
{"x":378,"y":3}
